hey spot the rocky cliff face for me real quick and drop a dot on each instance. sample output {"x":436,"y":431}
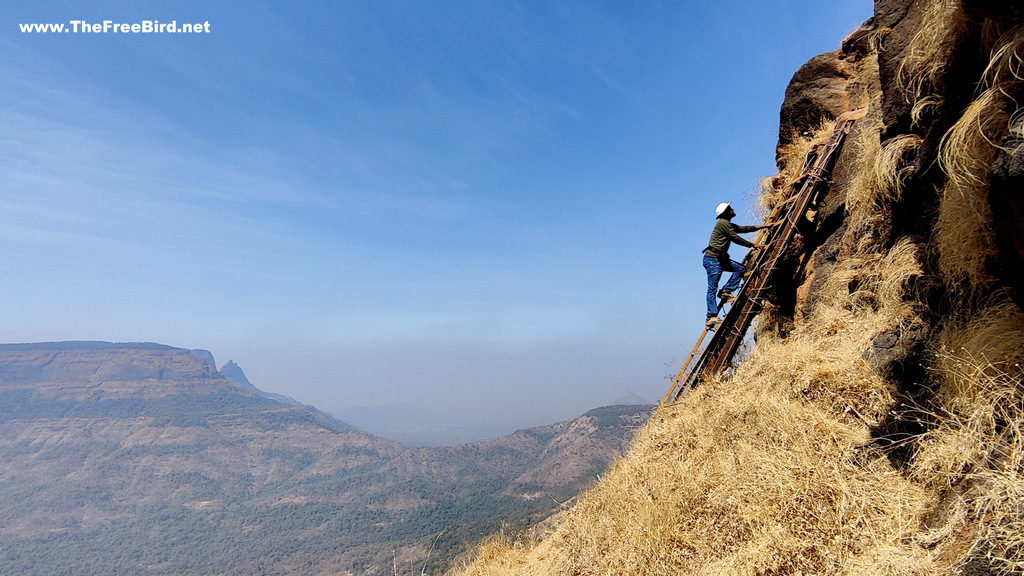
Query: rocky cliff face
{"x":878,"y":426}
{"x":80,"y":370}
{"x":937,"y":162}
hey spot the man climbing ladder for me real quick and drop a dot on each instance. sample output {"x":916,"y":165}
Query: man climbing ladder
{"x":795,"y":215}
{"x":717,"y":260}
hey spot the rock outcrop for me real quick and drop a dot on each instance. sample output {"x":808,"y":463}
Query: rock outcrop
{"x":234,"y":372}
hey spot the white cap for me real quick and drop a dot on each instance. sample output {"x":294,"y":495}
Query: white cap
{"x":721,"y":208}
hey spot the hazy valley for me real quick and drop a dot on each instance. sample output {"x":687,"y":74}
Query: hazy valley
{"x":145,"y":459}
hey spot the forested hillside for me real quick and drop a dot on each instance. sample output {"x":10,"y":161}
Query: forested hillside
{"x":140,"y":459}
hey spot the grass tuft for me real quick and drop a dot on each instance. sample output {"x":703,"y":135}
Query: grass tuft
{"x":929,"y":54}
{"x":965,"y":237}
{"x":790,"y":160}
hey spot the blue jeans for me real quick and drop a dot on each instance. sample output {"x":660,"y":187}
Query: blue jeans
{"x":714,"y":268}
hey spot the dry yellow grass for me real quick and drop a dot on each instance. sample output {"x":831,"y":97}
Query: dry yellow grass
{"x":878,"y":280}
{"x":772,"y":469}
{"x":1001,"y":504}
{"x":965,"y":236}
{"x":925,"y":60}
{"x":964,"y":231}
{"x":791,"y":159}
{"x":980,"y":393}
{"x":770,"y":472}
{"x":866,"y":146}
{"x":976,"y":450}
{"x":892,"y":166}
{"x":775,"y":486}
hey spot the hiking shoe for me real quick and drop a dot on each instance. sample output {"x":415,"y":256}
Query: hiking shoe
{"x":725,"y":295}
{"x":713,"y":322}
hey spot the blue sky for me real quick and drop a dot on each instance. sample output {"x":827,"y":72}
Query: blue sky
{"x":489,"y":212}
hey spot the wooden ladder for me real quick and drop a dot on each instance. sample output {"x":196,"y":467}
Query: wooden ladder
{"x":797,"y":211}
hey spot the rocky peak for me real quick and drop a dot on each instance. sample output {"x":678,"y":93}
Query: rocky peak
{"x":234,"y":372}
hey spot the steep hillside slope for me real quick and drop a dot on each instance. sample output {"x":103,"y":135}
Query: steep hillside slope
{"x":141,"y":459}
{"x":878,"y":427}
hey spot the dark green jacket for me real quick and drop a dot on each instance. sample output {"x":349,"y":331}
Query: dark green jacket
{"x":724,"y":233}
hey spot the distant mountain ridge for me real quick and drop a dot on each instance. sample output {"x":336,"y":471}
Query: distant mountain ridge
{"x":83,"y":345}
{"x":143,"y":459}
